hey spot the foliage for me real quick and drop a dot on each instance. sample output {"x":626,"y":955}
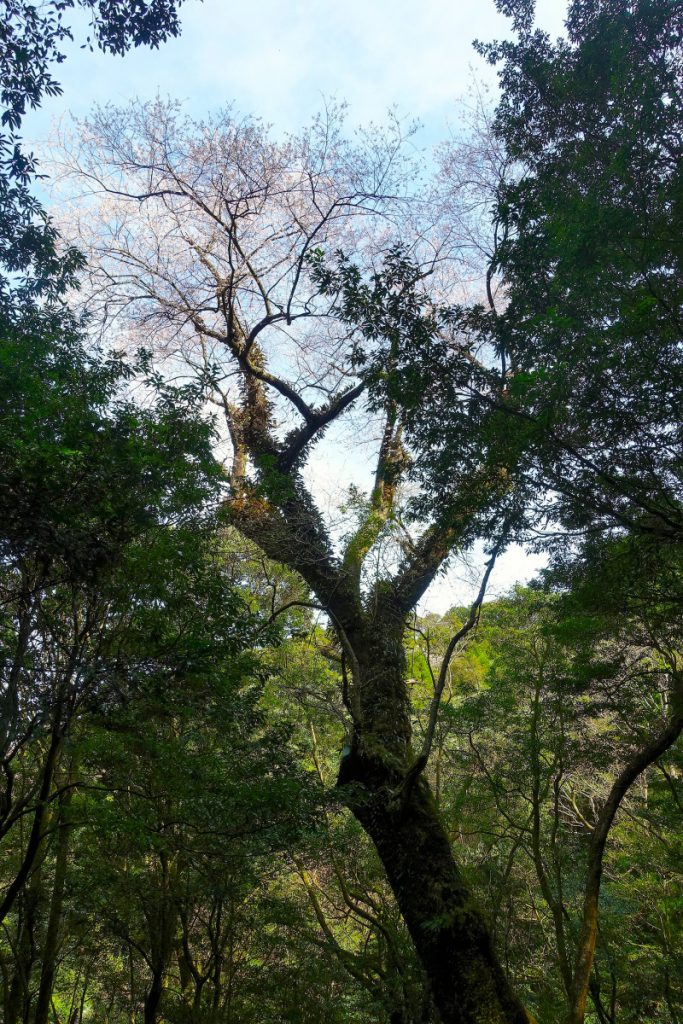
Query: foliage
{"x":568,"y":687}
{"x":567,"y":388}
{"x":591,"y":257}
{"x":31,"y":39}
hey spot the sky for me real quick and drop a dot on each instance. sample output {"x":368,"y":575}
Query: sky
{"x":282,"y":62}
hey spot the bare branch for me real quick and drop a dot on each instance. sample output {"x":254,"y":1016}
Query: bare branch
{"x":468,"y":625}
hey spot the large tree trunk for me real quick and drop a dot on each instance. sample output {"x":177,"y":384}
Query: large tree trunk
{"x":380,"y":776}
{"x":450,"y":936}
{"x":452,"y":940}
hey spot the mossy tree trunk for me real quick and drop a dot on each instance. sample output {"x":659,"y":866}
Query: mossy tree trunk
{"x":450,"y":934}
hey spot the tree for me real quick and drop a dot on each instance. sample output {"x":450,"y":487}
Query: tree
{"x":217,"y":263}
{"x":124,"y":670}
{"x":181,"y":796}
{"x":197,"y":790}
{"x":586,"y":250}
{"x":216,"y":242}
{"x":89,"y":480}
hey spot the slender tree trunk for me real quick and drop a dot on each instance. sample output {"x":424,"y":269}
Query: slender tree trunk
{"x":36,"y":835}
{"x":162,"y":919}
{"x":84,"y":991}
{"x":131,"y":987}
{"x":589,"y":924}
{"x":51,"y":943}
{"x":553,"y":899}
{"x":19,"y":997}
{"x":153,"y":998}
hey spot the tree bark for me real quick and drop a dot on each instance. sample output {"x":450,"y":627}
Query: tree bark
{"x":399,"y":813}
{"x":18,"y":1001}
{"x":153,"y":997}
{"x":162,"y":918}
{"x":37,"y":833}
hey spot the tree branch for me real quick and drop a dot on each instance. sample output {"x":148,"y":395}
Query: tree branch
{"x":468,"y":625}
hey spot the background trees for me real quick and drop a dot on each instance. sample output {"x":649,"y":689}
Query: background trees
{"x":583,"y":697}
{"x":587,"y":229}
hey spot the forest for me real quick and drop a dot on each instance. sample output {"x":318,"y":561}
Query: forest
{"x":247,"y":776}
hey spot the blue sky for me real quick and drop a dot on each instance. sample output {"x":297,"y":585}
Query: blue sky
{"x":280,"y":60}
